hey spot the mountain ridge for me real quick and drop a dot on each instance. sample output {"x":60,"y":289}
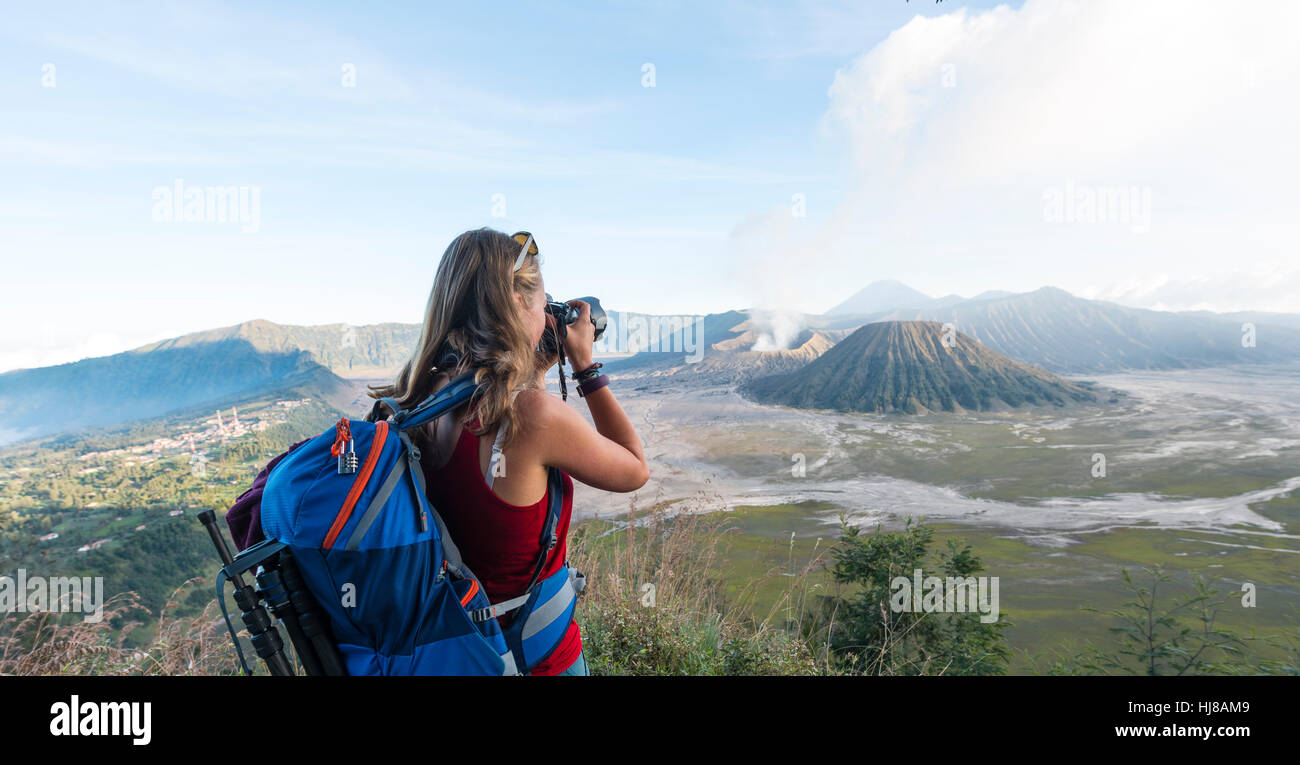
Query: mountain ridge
{"x":129,"y":386}
{"x":1047,"y":327}
{"x":1064,"y":333}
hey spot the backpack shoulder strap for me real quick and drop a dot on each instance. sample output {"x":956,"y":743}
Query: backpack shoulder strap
{"x":554,"y":506}
{"x":497,"y":455}
{"x":452,"y":395}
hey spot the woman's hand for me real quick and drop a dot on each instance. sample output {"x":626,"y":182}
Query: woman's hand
{"x":580,"y":338}
{"x":608,"y":456}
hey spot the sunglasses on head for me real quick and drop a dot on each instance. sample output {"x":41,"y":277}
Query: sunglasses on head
{"x":529,"y":247}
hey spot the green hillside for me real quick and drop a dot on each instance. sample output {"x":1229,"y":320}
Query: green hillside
{"x":140,"y":385}
{"x":369,"y":350}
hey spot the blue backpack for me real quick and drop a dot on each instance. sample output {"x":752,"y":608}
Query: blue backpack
{"x":380,"y":563}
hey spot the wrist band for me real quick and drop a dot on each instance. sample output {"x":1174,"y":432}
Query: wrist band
{"x":587,"y":374}
{"x":591,"y":385}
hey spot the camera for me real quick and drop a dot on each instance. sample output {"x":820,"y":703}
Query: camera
{"x":565,"y":315}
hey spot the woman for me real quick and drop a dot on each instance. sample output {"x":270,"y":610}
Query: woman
{"x":486,"y":313}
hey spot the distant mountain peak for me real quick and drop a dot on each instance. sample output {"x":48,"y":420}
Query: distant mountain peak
{"x":1052,"y":291}
{"x":881,"y":296}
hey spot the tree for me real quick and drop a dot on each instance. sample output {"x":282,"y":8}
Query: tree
{"x":870,"y":635}
{"x":1155,"y":638}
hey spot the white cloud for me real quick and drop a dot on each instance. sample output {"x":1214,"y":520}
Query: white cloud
{"x":1078,"y":87}
{"x":957,"y":124}
{"x":1261,"y":287}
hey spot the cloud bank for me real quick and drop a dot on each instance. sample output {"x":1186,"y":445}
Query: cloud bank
{"x":962,"y":131}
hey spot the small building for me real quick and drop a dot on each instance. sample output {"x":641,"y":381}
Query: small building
{"x":51,"y":535}
{"x":177,"y":512}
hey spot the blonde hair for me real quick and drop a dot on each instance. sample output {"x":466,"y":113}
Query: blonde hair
{"x":472,"y":311}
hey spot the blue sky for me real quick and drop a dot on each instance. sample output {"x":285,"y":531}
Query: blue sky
{"x":671,"y":199}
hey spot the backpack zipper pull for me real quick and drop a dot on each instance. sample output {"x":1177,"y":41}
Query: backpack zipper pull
{"x":344,"y":447}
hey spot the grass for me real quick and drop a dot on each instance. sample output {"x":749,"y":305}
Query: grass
{"x":1046,"y":588}
{"x":658,"y":600}
{"x":676,"y":591}
{"x":686,"y":622}
{"x":45,"y":644}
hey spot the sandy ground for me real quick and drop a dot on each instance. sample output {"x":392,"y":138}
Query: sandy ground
{"x":1192,"y":418}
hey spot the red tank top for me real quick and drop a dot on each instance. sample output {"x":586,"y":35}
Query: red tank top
{"x":500,"y":541}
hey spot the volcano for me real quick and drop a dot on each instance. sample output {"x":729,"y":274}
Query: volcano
{"x":914,"y":367}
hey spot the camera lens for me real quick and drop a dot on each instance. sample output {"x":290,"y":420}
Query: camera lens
{"x":567,"y":314}
{"x":599,"y":319}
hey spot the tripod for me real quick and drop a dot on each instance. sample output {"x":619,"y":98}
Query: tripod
{"x":280,"y":585}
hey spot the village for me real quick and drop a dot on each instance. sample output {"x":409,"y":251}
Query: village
{"x":218,"y":429}
{"x":212,"y":431}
